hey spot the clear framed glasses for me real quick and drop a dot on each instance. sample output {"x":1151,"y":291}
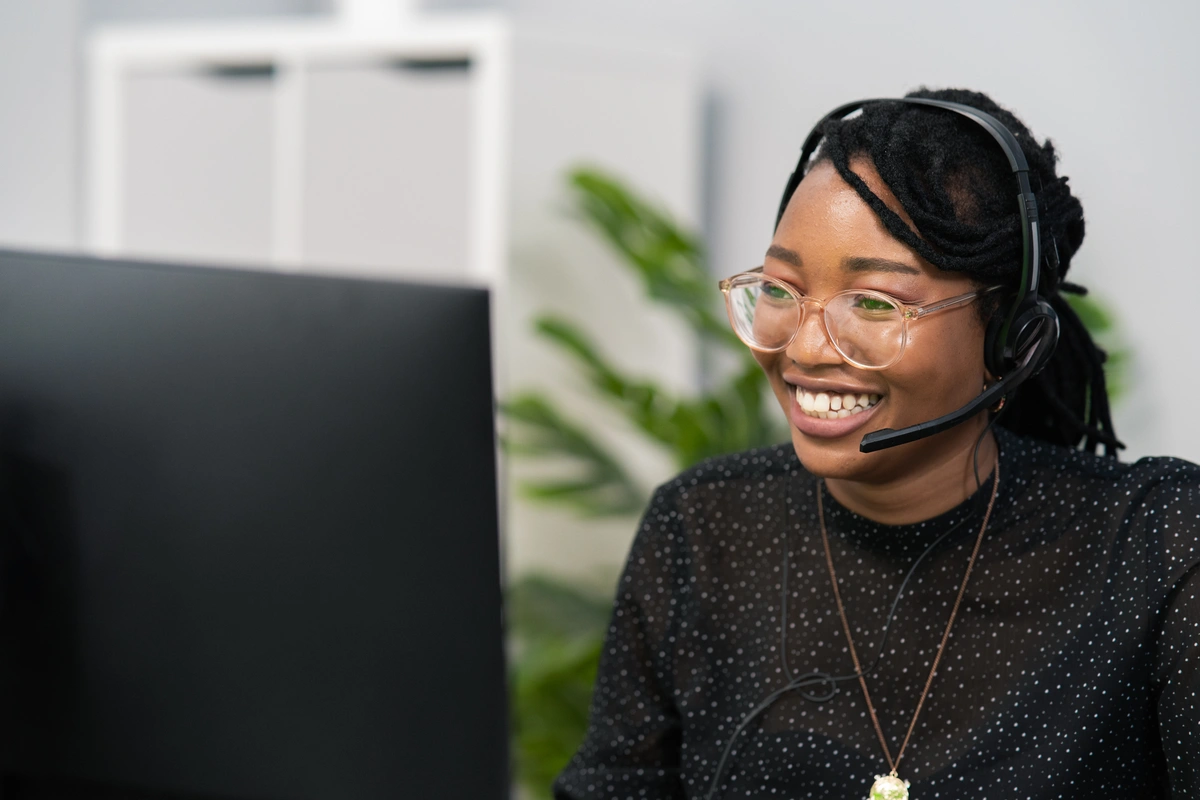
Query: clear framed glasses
{"x":869,"y":329}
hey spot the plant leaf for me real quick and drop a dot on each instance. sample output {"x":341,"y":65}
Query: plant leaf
{"x":647,"y":406}
{"x":668,"y":259}
{"x":1096,"y":317}
{"x":539,"y":607}
{"x":1101,"y":323}
{"x":598,"y":485}
{"x":732,"y":417}
{"x":552,"y":689}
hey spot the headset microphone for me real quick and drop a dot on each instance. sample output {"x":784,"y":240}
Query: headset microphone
{"x":1017,"y":344}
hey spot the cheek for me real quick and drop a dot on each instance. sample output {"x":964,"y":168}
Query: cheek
{"x":942,"y":362}
{"x":770,"y":365}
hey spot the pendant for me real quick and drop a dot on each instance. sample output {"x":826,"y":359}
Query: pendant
{"x":889,"y":787}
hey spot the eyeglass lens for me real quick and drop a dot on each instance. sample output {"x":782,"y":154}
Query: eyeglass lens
{"x":865,"y":327}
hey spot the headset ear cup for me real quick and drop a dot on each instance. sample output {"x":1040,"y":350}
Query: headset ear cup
{"x":1034,"y":332}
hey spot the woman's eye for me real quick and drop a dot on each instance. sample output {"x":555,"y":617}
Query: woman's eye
{"x":868,"y":302}
{"x":775,"y":292}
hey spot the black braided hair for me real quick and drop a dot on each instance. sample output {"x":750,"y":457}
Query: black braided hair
{"x":956,"y":185}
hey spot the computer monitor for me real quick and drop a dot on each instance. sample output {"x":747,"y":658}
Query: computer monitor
{"x":250,"y":541}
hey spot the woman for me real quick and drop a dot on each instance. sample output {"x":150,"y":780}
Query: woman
{"x":991,"y":611}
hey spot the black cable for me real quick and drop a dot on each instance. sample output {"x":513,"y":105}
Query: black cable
{"x":979,"y":442}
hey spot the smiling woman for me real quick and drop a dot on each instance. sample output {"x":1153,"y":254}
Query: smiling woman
{"x":1027,"y":612}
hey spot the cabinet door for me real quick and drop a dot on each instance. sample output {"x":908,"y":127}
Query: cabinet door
{"x":386,"y":168}
{"x":198,"y":164}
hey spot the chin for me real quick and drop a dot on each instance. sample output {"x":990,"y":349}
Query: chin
{"x":839,"y":458}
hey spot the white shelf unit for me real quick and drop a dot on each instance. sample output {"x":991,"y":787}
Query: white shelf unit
{"x":207,"y":141}
{"x":432,"y":148}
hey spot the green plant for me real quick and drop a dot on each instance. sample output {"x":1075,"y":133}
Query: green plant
{"x":732,"y":415}
{"x":556,"y":632}
{"x":1101,"y":322}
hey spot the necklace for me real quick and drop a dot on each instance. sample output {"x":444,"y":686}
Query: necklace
{"x":890,"y":786}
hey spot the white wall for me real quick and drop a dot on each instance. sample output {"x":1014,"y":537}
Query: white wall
{"x":38,"y":116}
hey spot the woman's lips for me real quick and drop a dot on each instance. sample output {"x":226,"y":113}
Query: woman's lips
{"x":834,"y":426}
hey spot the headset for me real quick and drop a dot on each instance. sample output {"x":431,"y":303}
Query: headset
{"x":1019,"y":342}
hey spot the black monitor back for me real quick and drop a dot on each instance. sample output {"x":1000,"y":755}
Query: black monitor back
{"x":250,"y":543}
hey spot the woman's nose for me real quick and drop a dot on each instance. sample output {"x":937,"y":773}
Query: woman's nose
{"x":811,"y":344}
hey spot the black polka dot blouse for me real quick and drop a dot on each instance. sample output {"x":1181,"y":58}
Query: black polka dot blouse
{"x":1073,"y":669}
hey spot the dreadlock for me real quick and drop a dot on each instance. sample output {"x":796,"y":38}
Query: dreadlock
{"x":958,"y":188}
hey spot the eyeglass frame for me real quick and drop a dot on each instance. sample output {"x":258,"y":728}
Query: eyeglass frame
{"x":909,"y":311}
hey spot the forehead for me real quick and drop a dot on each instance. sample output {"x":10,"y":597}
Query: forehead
{"x":828,"y":230}
{"x":825,"y":212}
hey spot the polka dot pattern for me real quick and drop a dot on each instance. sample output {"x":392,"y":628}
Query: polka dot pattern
{"x":1073,"y":669}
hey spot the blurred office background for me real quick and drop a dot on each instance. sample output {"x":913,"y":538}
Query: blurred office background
{"x":700,"y":105}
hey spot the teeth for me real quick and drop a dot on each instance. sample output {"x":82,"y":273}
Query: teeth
{"x":833,"y":406}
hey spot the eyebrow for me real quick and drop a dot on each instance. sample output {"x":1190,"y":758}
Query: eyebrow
{"x":863,"y":264}
{"x":783,"y":254}
{"x":852,"y":264}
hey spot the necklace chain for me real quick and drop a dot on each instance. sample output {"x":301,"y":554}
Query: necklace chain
{"x":837,"y":595}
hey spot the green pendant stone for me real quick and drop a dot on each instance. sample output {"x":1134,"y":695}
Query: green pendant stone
{"x":889,"y":787}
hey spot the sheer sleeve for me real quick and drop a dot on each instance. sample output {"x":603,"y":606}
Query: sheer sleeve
{"x":1179,"y":696}
{"x":632,"y":745}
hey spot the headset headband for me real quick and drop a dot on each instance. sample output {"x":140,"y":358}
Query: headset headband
{"x":1031,"y":240}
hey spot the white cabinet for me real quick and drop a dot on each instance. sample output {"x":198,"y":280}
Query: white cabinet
{"x":386,"y":151}
{"x":197,"y":165}
{"x":311,"y":146}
